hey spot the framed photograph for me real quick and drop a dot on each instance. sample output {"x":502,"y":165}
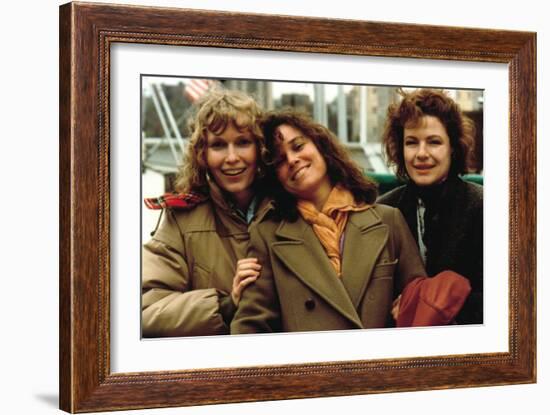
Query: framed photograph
{"x":356,"y":113}
{"x":115,"y":58}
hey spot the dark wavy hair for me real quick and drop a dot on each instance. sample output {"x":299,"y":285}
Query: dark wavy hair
{"x":408,"y":112}
{"x":341,"y":169}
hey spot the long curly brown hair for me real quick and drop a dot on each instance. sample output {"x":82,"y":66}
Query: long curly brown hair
{"x":341,"y":169}
{"x":218,"y":109}
{"x":408,"y":112}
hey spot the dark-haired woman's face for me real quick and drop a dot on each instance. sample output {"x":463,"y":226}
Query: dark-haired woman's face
{"x":427,"y":151}
{"x":300,"y":167}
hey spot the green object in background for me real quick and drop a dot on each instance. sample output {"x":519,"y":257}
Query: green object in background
{"x":474,"y":178}
{"x":388,"y":181}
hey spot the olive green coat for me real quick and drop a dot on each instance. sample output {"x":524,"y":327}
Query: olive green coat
{"x":188,"y":269}
{"x":298,"y":289}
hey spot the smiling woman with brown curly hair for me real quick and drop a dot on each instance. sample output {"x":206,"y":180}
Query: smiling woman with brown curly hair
{"x":331,"y":259}
{"x":430,"y":141}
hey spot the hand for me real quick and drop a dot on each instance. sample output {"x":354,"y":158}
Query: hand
{"x":395,"y":307}
{"x":248,"y":270}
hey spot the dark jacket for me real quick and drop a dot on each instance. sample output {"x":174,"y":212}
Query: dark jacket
{"x":453,"y":233}
{"x":298,"y":289}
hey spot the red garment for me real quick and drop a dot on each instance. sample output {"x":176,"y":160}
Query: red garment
{"x":180,"y":201}
{"x":433,"y":301}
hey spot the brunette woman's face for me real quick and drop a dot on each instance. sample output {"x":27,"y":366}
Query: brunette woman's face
{"x":300,"y":167}
{"x":427,"y":151}
{"x":231,"y":158}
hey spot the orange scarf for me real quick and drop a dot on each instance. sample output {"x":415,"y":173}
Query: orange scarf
{"x":329,"y":224}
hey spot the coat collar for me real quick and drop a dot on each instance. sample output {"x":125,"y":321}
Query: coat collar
{"x":228,"y":222}
{"x":299,"y":249}
{"x":442,"y":214}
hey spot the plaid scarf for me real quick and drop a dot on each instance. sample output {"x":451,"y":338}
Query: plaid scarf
{"x":178,"y":201}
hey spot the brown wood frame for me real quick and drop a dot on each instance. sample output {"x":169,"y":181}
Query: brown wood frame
{"x":86,"y":33}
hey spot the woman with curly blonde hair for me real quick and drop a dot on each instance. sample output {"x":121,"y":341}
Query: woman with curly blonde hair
{"x":429,"y":141}
{"x":195,"y":266}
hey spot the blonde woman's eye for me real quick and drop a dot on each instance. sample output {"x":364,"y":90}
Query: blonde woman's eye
{"x":216,"y":145}
{"x":245,"y":142}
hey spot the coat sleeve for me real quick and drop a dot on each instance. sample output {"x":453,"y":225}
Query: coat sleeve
{"x":409,"y":264}
{"x":472,"y":312}
{"x":170,"y":307}
{"x":259,"y":309}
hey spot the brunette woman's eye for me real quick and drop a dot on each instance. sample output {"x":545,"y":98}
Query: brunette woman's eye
{"x":298,"y":145}
{"x":277,"y":161}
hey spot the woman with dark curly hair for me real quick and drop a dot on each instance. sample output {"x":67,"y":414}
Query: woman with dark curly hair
{"x":430,"y":141}
{"x":195,"y":265}
{"x":331,"y":259}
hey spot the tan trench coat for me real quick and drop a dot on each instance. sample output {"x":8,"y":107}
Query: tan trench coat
{"x":298,"y":289}
{"x":188,"y":269}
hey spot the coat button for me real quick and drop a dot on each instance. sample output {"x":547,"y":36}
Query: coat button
{"x":310,"y":304}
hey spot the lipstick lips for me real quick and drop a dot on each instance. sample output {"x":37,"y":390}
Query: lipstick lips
{"x":423,"y":167}
{"x":233,"y":172}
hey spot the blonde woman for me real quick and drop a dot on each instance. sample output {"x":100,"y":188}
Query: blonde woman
{"x":195,"y":266}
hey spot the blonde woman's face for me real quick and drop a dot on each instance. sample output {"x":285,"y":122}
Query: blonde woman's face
{"x":231,"y":158}
{"x":427,"y":151}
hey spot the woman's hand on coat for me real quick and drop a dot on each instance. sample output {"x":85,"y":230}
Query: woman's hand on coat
{"x":395,"y":307}
{"x":248,"y":270}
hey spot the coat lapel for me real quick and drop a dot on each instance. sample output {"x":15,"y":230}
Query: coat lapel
{"x":300,"y":250}
{"x":365,"y":238}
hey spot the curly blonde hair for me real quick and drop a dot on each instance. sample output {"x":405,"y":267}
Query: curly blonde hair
{"x":410,"y":110}
{"x":217,"y":110}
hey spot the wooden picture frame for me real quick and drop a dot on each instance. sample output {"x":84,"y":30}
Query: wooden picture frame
{"x":86,"y":33}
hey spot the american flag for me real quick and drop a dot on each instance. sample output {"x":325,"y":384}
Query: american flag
{"x":196,"y":88}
